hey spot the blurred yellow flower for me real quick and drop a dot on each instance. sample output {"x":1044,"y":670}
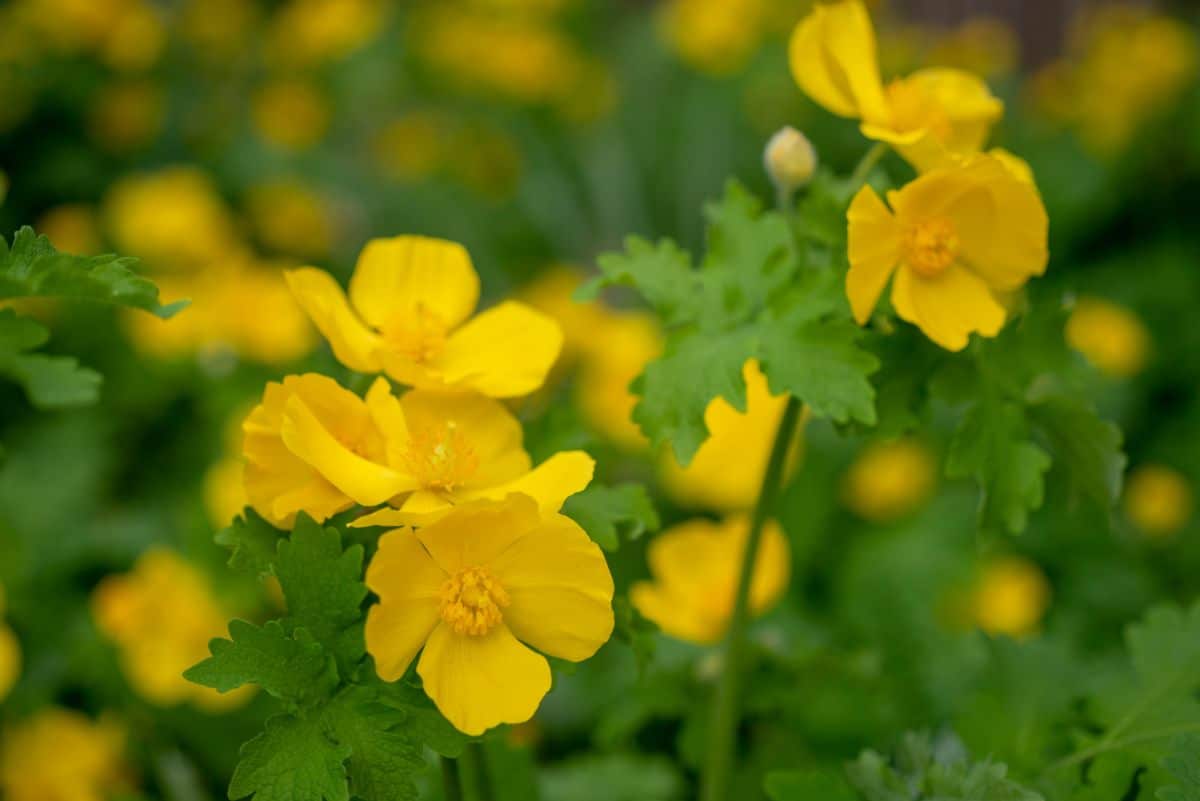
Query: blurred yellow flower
{"x":927,"y":117}
{"x":695,"y":567}
{"x":173,"y":217}
{"x":629,"y":341}
{"x":452,"y":448}
{"x":307,"y":32}
{"x":889,"y":480}
{"x":472,"y":592}
{"x":727,"y":471}
{"x":161,"y":616}
{"x":955,"y":238}
{"x":411,"y":298}
{"x":982,"y":45}
{"x":291,"y":218}
{"x":1011,"y":597}
{"x":551,"y":293}
{"x":126,"y":34}
{"x":61,"y":755}
{"x":71,"y":228}
{"x":1110,"y":336}
{"x":522,"y":59}
{"x":126,"y":115}
{"x":291,"y":114}
{"x":1158,"y":499}
{"x":218,"y":29}
{"x":1124,"y":65}
{"x":137,"y":39}
{"x":238,"y":304}
{"x":225,"y":491}
{"x":412,"y":147}
{"x":714,"y":36}
{"x":10,"y":654}
{"x":313,"y":447}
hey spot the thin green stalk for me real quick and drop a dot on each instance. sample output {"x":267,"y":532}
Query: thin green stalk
{"x":863,"y":170}
{"x":451,"y":782}
{"x":723,"y":722}
{"x":484,"y":790}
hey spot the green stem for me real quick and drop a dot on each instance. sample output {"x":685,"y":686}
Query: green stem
{"x":451,"y":783}
{"x":863,"y":170}
{"x":723,"y":722}
{"x":484,"y":791}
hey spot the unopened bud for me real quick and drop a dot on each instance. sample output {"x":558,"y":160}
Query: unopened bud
{"x":790,"y":159}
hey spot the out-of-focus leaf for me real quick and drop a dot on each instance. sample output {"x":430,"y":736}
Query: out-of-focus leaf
{"x":606,"y":513}
{"x":1184,"y":764}
{"x":253,"y":542}
{"x":612,"y":777}
{"x":50,"y":382}
{"x":811,"y":785}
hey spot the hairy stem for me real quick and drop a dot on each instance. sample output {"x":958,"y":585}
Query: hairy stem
{"x":723,"y":721}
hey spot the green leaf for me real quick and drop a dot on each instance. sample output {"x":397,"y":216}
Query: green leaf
{"x":385,"y":757}
{"x":323,"y":588}
{"x":662,"y":274}
{"x":1184,"y":764}
{"x":33,"y":268}
{"x":293,"y":759}
{"x":612,"y":777}
{"x":253,"y":541}
{"x":695,"y":368}
{"x":423,"y":719}
{"x":294,"y":669}
{"x":819,"y":361}
{"x":811,"y":785}
{"x":635,"y":631}
{"x":1086,"y":446}
{"x":991,"y":444}
{"x":607,"y":512}
{"x":50,"y":382}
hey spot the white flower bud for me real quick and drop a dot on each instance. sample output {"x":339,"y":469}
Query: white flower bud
{"x":790,"y":159}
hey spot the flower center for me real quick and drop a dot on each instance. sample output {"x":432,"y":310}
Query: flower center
{"x":419,"y":335}
{"x":471,"y":601}
{"x":930,"y":246}
{"x":440,"y":457}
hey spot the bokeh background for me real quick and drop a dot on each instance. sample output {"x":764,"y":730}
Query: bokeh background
{"x":222,"y":140}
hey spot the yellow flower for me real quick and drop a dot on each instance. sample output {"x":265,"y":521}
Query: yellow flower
{"x":471,"y":592}
{"x":312,"y":446}
{"x":552,"y":293}
{"x":1158,"y":499}
{"x":137,"y":39}
{"x":727,"y":471}
{"x":714,"y":36}
{"x":411,"y":298}
{"x":291,"y":114}
{"x":1011,"y":597}
{"x":927,"y":117}
{"x":626,"y":343}
{"x":218,"y":30}
{"x":955,"y":238}
{"x":289,"y":217}
{"x":72,"y":228}
{"x":10,"y":654}
{"x":171,"y":218}
{"x":984,"y":45}
{"x":889,"y":480}
{"x":1110,"y":336}
{"x":307,"y":32}
{"x":225,"y":491}
{"x":453,"y":448}
{"x":236,"y":304}
{"x":695,"y":567}
{"x":412,"y":147}
{"x":161,"y":616}
{"x":61,"y":755}
{"x":126,"y":116}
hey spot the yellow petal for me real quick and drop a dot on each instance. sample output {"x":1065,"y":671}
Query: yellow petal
{"x":10,"y":660}
{"x":550,"y":483}
{"x":382,"y":518}
{"x":368,"y":483}
{"x":476,"y":533}
{"x":676,"y":616}
{"x":397,"y":276}
{"x":388,"y":417}
{"x":408,"y":584}
{"x":486,"y":427}
{"x":949,"y":307}
{"x":325,"y":303}
{"x":874,"y":250}
{"x":504,"y":352}
{"x":560,"y":590}
{"x":833,"y":59}
{"x":481,"y":682}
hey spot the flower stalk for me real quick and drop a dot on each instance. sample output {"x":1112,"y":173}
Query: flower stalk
{"x":723,"y":721}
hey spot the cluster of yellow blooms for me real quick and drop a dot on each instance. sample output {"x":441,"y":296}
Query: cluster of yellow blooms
{"x":480,"y":564}
{"x":161,"y":616}
{"x":970,"y":229}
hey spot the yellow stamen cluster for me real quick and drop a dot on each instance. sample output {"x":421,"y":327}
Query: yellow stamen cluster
{"x":440,"y":457}
{"x":471,"y":601}
{"x":419,"y":335}
{"x":931,"y":246}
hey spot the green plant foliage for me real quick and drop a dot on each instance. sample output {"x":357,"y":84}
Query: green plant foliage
{"x":50,"y":382}
{"x":609,"y":513}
